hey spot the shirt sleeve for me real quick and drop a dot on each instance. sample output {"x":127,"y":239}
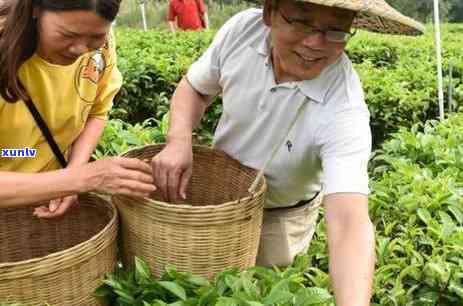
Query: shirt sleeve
{"x":171,"y":14}
{"x":204,"y":74}
{"x":110,"y":83}
{"x":346,"y":152}
{"x":201,"y":7}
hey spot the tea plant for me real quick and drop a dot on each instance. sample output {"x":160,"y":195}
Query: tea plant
{"x":398,"y":75}
{"x":416,"y":206}
{"x":255,"y":286}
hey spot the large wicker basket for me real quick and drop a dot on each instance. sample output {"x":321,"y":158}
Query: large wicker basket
{"x":59,"y":261}
{"x":217,"y":227}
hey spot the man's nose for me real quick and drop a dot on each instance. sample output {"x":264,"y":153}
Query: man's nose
{"x":315,"y":39}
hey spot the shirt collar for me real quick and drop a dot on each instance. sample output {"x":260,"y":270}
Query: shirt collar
{"x":317,"y":88}
{"x":262,"y":46}
{"x":314,"y":89}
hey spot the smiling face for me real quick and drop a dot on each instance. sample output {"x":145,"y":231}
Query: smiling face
{"x":66,"y":35}
{"x":301,"y":56}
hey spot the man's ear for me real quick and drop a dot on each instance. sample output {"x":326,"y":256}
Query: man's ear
{"x":268,"y":9}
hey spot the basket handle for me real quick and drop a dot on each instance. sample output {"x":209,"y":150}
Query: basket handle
{"x":260,"y":174}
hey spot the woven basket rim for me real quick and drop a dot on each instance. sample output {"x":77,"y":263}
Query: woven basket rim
{"x":148,"y":201}
{"x":70,"y":251}
{"x":262,"y":184}
{"x":198,"y":146}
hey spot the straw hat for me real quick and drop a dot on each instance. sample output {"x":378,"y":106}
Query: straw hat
{"x":376,"y":16}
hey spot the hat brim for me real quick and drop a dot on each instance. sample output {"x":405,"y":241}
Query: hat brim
{"x":376,"y":16}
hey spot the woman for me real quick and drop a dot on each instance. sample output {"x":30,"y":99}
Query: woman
{"x":58,"y":55}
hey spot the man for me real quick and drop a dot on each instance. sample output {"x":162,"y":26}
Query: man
{"x":285,"y":79}
{"x":187,"y":15}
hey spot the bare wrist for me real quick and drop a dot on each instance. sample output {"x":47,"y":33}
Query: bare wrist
{"x":78,"y":180}
{"x":175,"y":139}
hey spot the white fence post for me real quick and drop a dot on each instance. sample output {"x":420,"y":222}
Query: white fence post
{"x":143,"y":14}
{"x":439,"y":59}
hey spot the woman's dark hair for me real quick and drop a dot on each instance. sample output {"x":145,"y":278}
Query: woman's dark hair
{"x":18,"y":35}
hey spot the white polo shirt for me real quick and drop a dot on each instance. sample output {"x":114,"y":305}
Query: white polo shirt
{"x":329,"y":144}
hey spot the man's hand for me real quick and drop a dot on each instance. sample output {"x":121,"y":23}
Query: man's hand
{"x":172,"y":169}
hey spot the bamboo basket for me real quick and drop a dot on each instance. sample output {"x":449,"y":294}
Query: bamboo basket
{"x":217,"y":227}
{"x":57,"y":262}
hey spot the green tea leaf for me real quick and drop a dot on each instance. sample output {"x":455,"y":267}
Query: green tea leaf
{"x":142,"y":271}
{"x":174,"y":288}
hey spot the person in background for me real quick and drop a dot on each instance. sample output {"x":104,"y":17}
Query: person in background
{"x":288,"y":87}
{"x":187,"y":15}
{"x":58,"y":57}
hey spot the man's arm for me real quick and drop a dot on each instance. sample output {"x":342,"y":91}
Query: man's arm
{"x":173,"y":26}
{"x":206,"y":20}
{"x":172,"y":167}
{"x":187,"y":108}
{"x":351,"y":247}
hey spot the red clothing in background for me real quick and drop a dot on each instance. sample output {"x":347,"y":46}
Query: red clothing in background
{"x":188,"y":13}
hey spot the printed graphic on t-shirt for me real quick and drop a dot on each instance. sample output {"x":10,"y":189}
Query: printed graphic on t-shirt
{"x":89,"y":73}
{"x":94,"y":68}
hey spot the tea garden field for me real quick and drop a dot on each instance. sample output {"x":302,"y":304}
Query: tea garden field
{"x":416,"y":174}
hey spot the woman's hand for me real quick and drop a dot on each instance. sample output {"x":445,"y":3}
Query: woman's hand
{"x":56,"y":207}
{"x":118,"y":175}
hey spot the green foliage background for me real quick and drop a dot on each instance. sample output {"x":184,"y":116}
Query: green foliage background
{"x":398,"y":75}
{"x":221,"y":10}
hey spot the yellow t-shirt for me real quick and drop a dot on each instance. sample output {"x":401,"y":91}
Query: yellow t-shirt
{"x":65,"y":96}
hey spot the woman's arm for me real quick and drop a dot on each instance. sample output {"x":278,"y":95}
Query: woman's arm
{"x":114,"y":175}
{"x":21,"y":188}
{"x":85,"y":144}
{"x":81,"y":152}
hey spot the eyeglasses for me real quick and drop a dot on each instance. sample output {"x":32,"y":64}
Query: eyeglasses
{"x":330,"y":35}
